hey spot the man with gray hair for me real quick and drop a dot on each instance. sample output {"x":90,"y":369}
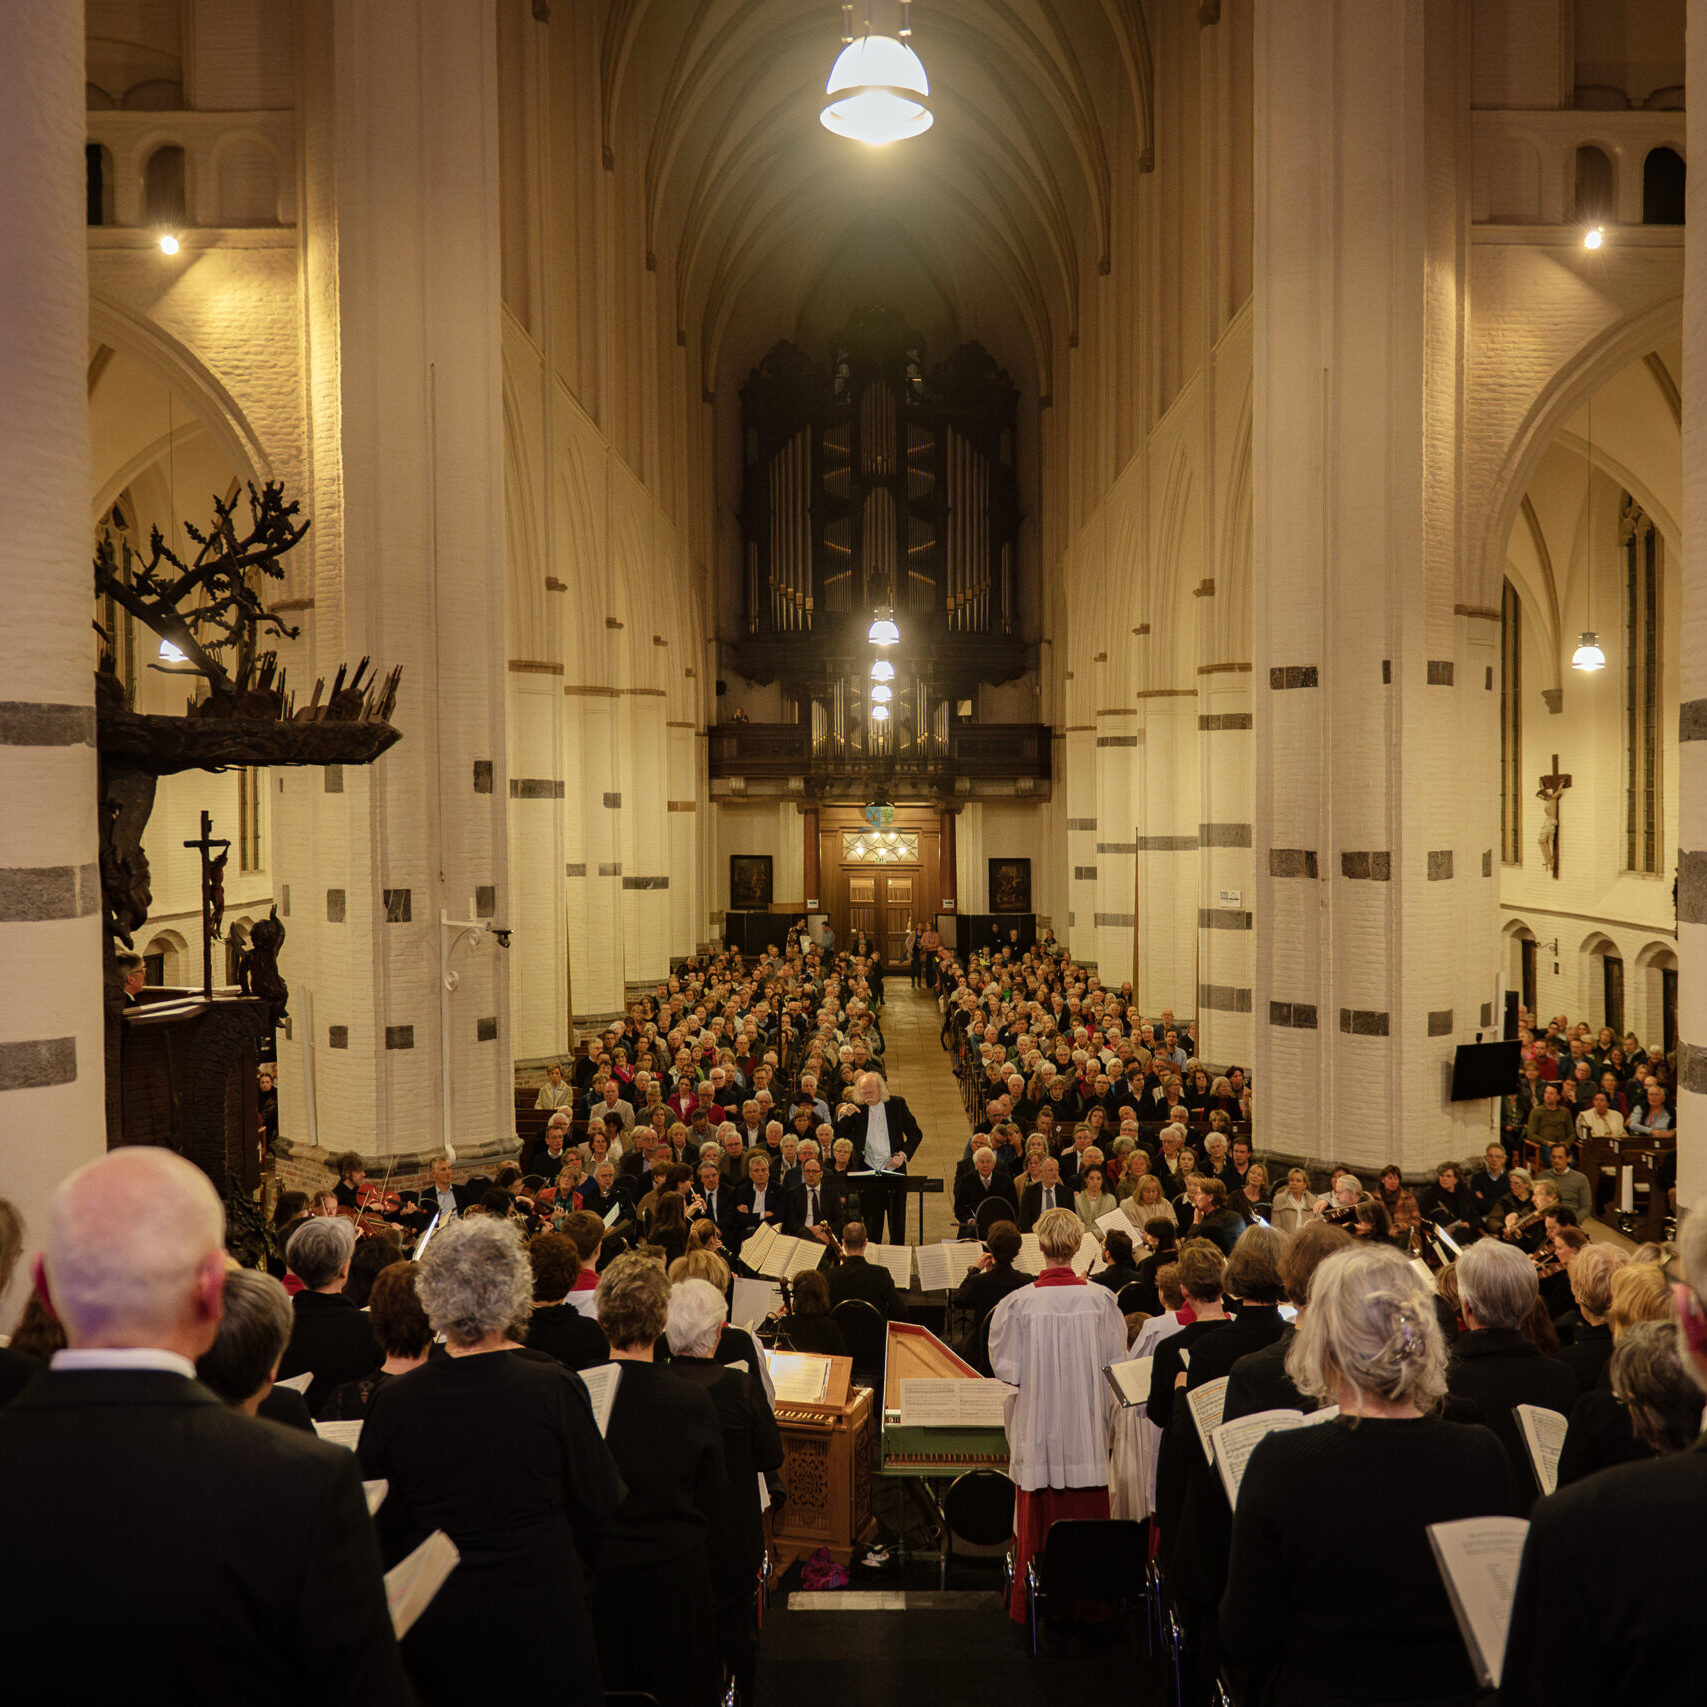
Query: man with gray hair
{"x":332,"y":1340}
{"x":1495,"y":1365}
{"x":232,"y":1560}
{"x":1581,"y":1636}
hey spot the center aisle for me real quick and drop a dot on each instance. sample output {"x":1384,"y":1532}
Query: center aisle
{"x":919,"y":1069}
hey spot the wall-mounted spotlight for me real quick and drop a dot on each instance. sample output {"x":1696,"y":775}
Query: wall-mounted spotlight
{"x":168,"y":241}
{"x":1594,"y":237}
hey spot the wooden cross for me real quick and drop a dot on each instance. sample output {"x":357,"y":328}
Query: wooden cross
{"x":1552,"y":788}
{"x":213,"y":895}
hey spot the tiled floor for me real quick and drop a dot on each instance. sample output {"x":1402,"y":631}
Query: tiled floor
{"x":919,"y":1071}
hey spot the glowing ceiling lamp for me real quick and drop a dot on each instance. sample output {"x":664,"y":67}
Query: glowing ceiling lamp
{"x":883,"y":631}
{"x":1588,"y":655}
{"x":880,"y":714}
{"x":880,"y":695}
{"x":170,"y":654}
{"x":878,"y":91}
{"x":883,"y":671}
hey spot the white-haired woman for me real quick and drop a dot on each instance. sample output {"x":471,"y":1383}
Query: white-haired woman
{"x":1338,"y":1607}
{"x":752,"y":1444}
{"x":436,"y":1435}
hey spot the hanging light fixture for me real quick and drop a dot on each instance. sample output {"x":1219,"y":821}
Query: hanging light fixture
{"x":1588,"y":656}
{"x":880,"y":695}
{"x":883,"y":671}
{"x":880,"y":714}
{"x":877,"y":91}
{"x":883,"y":631}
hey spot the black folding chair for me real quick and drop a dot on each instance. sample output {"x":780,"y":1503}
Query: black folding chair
{"x":1088,"y":1560}
{"x":867,"y":1335}
{"x":992,"y":1210}
{"x":979,"y":1508}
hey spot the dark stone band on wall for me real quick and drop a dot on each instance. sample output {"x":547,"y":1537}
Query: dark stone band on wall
{"x":1293,"y":676}
{"x":1222,"y":919}
{"x":1225,"y":720}
{"x":1224,"y":835}
{"x":1113,"y":921}
{"x":31,"y":894}
{"x":646,"y":883}
{"x":1692,"y":1068}
{"x":1691,"y":720}
{"x":36,"y":1064}
{"x":1224,"y":998}
{"x":1167,"y":844}
{"x":1292,"y":862}
{"x":27,"y":723}
{"x":1363,"y":1022}
{"x":1377,"y":866}
{"x":1300,"y":1016}
{"x":1440,"y":1022}
{"x":535,"y":788}
{"x":1691,"y":888}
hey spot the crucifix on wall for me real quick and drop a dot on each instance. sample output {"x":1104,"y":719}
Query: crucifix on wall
{"x":1552,"y":787}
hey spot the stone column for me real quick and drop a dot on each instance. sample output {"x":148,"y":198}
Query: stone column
{"x":403,"y":317}
{"x":809,"y":847}
{"x":1375,"y":929}
{"x":1692,"y":689}
{"x":51,"y":1117}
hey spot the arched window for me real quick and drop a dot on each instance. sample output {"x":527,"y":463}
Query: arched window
{"x":1594,"y":184}
{"x":1511,"y":727}
{"x":163,"y":200}
{"x":1663,"y":174}
{"x":1643,"y":588}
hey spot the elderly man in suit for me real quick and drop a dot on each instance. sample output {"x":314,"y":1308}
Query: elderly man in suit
{"x":232,"y":1559}
{"x":981,"y":1183}
{"x":885,"y":1138}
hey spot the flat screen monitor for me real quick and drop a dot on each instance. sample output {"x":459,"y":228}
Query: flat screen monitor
{"x":1485,"y":1070}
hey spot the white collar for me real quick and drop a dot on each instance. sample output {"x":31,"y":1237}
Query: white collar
{"x":123,"y":1357}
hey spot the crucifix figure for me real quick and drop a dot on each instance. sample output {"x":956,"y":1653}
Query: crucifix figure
{"x":213,"y":895}
{"x":1548,"y":794}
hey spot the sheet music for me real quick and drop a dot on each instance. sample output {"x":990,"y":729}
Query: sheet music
{"x":1450,"y":1243}
{"x":803,"y":1258}
{"x":800,"y":1378}
{"x":953,"y":1403}
{"x":1235,"y":1442}
{"x":898,"y":1259}
{"x":1424,"y":1273}
{"x":1089,"y":1259}
{"x":612,"y":1213}
{"x":1206,"y":1406}
{"x":340,"y":1433}
{"x":601,"y":1384}
{"x":1478,"y":1559}
{"x":411,"y":1583}
{"x":297,"y":1383}
{"x":375,"y":1492}
{"x":1117,"y":1221}
{"x":943,"y":1267}
{"x":1543,"y":1436}
{"x":1030,"y":1259}
{"x":756,"y":1246}
{"x":754,"y":1300}
{"x":1131,"y":1380}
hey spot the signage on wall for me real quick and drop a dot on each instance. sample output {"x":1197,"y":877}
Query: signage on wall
{"x":1232,"y":897}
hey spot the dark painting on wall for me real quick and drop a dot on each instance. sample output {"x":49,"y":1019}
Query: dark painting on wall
{"x":1010,"y":886}
{"x":749,"y":882}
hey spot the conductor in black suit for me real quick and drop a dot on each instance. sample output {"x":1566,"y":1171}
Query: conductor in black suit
{"x":854,"y":1277}
{"x":885,"y":1137}
{"x":231,"y":1559}
{"x":981,"y":1182}
{"x":1581,"y":1636}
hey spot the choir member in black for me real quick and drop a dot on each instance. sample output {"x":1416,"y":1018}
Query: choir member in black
{"x":501,"y":1452}
{"x":331,"y":1338}
{"x":1600,"y":1434}
{"x":556,"y":1326}
{"x":1258,"y":1381}
{"x":1590,"y":1349}
{"x":735,"y":1547}
{"x":668,"y":1445}
{"x":1582,"y":1636}
{"x":1121,"y":1271}
{"x":1494,"y":1364}
{"x":240,"y":1364}
{"x":1334,"y":1607}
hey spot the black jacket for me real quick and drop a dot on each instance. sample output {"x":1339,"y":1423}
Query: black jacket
{"x":1583,"y":1637}
{"x":332,"y":1340}
{"x":1497,"y":1368}
{"x":232,"y":1560}
{"x":854,"y":1277}
{"x":971,"y":1194}
{"x":905,"y":1135}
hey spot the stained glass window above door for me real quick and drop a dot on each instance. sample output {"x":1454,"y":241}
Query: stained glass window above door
{"x":881,"y":847}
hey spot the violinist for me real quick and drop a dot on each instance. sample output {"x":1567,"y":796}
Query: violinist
{"x":1344,"y":1189}
{"x":351,"y":1171}
{"x":1514,"y":1216}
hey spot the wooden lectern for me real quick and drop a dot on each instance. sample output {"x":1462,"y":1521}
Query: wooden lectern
{"x":827,"y":1452}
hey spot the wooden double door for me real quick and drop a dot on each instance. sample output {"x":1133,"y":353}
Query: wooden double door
{"x":879,"y":898}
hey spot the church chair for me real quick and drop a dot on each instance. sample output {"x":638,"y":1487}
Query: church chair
{"x":1088,"y":1560}
{"x":978,"y":1508}
{"x":867,"y":1335}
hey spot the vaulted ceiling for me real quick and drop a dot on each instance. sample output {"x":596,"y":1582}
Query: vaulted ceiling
{"x":989,"y":226}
